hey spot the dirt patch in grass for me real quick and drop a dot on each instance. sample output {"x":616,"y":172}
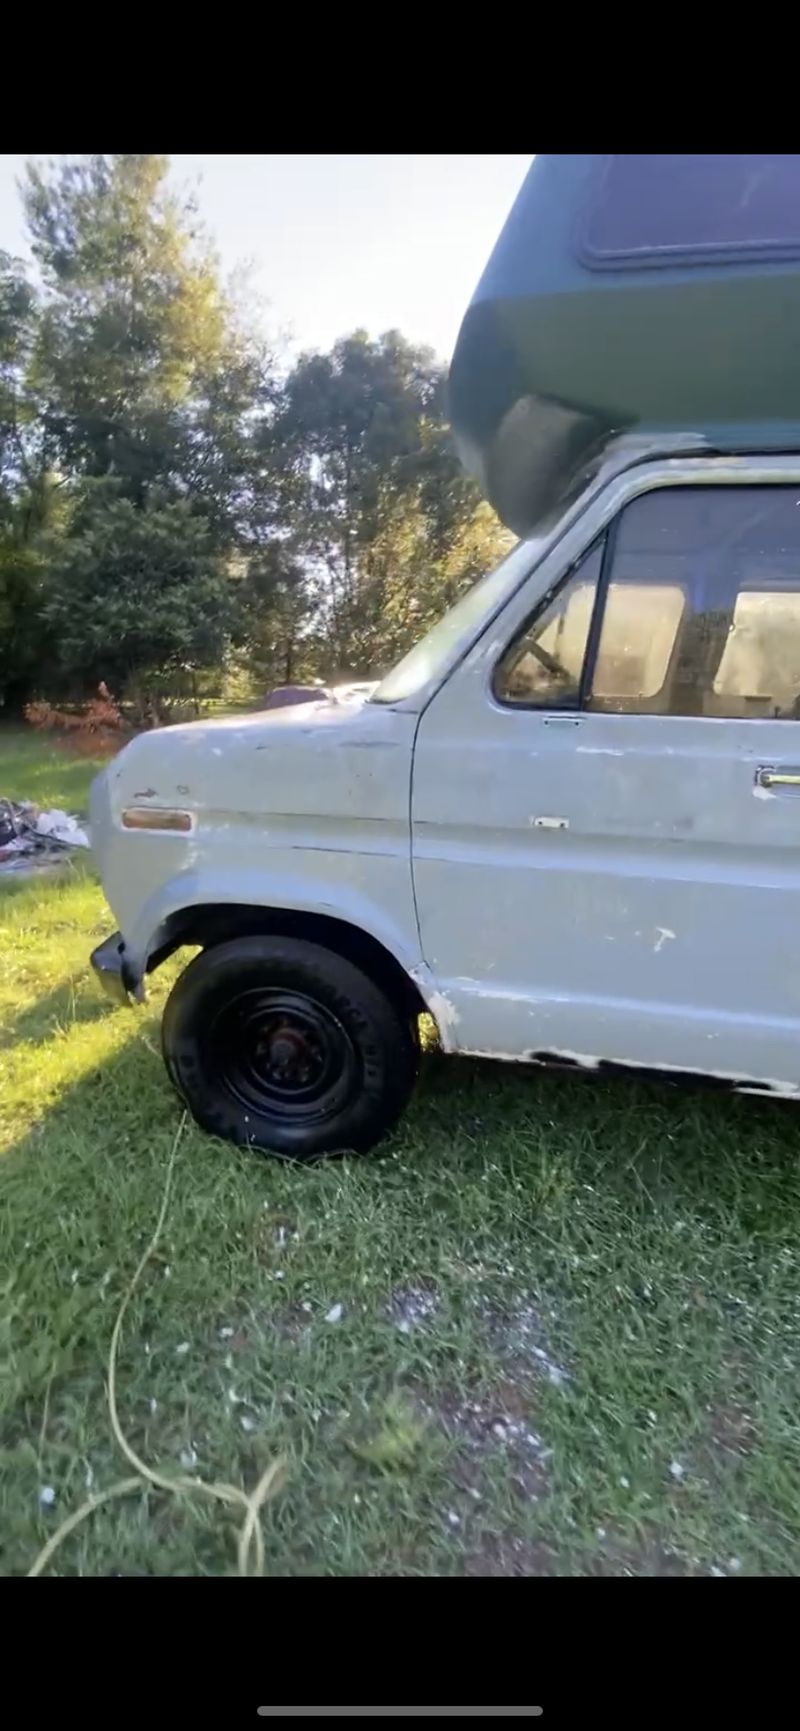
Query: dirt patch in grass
{"x":411,"y":1307}
{"x":292,"y":1321}
{"x":497,"y":1554}
{"x":275,"y":1235}
{"x":614,"y":1555}
{"x":732,"y":1433}
{"x":518,"y":1336}
{"x":495,"y":1465}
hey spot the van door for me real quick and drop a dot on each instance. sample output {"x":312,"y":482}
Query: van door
{"x":606,"y":809}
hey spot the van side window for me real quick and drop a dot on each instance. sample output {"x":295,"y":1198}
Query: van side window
{"x":701,"y":615}
{"x":543,"y":666}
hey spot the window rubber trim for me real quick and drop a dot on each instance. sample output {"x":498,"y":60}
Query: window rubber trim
{"x":572,"y":705}
{"x":598,"y":614}
{"x":672,"y":255}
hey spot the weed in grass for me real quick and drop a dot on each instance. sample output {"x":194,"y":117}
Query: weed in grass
{"x":395,"y":1438}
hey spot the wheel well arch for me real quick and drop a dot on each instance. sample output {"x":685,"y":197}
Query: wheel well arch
{"x":211,"y":923}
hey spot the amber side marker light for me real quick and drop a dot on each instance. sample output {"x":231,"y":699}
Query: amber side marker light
{"x":149,"y":817}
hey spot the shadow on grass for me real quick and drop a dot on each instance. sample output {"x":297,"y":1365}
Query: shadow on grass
{"x":58,"y":870}
{"x":59,"y":1010}
{"x":645,"y":1141}
{"x":651,"y":1139}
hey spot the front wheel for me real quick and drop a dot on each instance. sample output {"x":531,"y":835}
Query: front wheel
{"x":288,"y":1048}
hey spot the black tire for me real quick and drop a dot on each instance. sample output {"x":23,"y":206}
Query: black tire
{"x":283,"y":1046}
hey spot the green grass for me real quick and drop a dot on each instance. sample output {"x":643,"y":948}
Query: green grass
{"x":33,"y":767}
{"x":610,"y":1270}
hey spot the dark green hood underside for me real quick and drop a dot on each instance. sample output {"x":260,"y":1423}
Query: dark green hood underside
{"x":652,"y":296}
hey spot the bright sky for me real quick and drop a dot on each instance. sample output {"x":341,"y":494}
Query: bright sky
{"x":337,"y":242}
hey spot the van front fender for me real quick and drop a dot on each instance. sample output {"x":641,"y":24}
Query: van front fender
{"x":172,"y":916}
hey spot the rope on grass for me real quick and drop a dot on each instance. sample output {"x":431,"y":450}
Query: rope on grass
{"x":250,"y":1546}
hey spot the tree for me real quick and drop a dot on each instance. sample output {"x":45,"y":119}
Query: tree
{"x":167,"y":503}
{"x":132,"y":315}
{"x":378,"y":508}
{"x":17,"y":325}
{"x":146,"y":379}
{"x":138,"y":596}
{"x":413,"y":580}
{"x":274,"y":616}
{"x":27,"y":489}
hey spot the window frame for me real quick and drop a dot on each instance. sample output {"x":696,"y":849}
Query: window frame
{"x":568,"y":706}
{"x":689,"y":474}
{"x":671,"y":255}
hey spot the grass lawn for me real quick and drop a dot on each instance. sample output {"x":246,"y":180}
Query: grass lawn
{"x":568,"y":1335}
{"x":32,"y":767}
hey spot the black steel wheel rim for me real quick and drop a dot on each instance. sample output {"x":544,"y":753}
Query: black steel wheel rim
{"x":282,"y":1055}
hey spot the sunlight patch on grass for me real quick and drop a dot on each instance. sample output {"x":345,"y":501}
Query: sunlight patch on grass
{"x":34,"y":767}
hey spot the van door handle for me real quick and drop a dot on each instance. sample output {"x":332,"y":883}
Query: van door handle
{"x":777,"y":777}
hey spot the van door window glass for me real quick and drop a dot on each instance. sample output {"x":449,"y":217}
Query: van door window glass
{"x":640,"y":625}
{"x":761,"y":659}
{"x":543,"y":667}
{"x":702,"y":614}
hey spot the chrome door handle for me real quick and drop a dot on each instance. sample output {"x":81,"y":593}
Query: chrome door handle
{"x":777,"y":777}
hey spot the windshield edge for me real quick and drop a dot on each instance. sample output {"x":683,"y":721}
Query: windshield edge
{"x":431,"y":658}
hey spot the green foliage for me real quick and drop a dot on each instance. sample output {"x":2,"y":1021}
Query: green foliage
{"x":275,"y":617}
{"x":137,"y":596}
{"x":169,"y":505}
{"x":20,"y":632}
{"x":133,"y":316}
{"x":17,"y":323}
{"x":23,"y":485}
{"x":145,"y":387}
{"x":396,"y":1437}
{"x":385,"y":521}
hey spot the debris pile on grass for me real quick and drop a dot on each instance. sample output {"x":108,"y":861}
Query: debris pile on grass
{"x":30,"y":836}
